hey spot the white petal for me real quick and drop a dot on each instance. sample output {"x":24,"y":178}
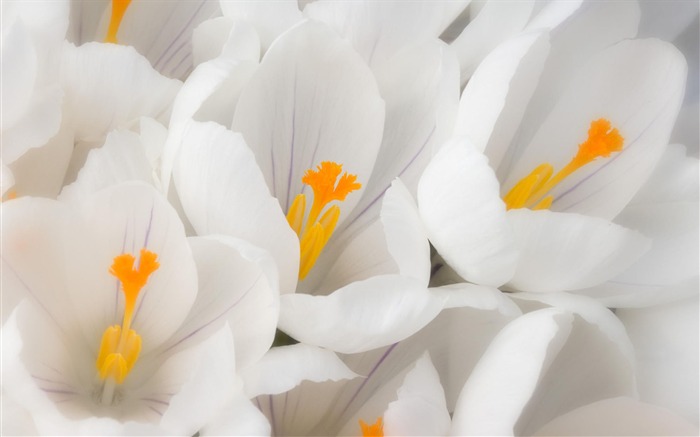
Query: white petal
{"x":405,"y":234}
{"x":555,"y":373}
{"x":204,"y":81}
{"x":588,"y":309}
{"x":665,"y":338}
{"x":121,"y":159}
{"x":42,"y":171}
{"x":378,"y":30}
{"x":209,"y":387}
{"x":39,"y":123}
{"x":233,"y":288}
{"x":162,"y":32}
{"x":495,"y":99}
{"x":270,"y":19}
{"x":240,"y":417}
{"x":343,"y":262}
{"x":464,"y":215}
{"x":420,"y":111}
{"x":285,"y":367}
{"x":125,"y":219}
{"x":560,"y":252}
{"x":420,"y":408}
{"x":39,"y":238}
{"x":109,"y":86}
{"x":223,"y":192}
{"x":18,"y":74}
{"x":618,"y":416}
{"x":227,"y":38}
{"x":495,"y":22}
{"x":293,"y":118}
{"x":221,"y":105}
{"x":479,"y":311}
{"x":7,"y":179}
{"x":643,"y":110}
{"x":361,"y":316}
{"x":493,"y":398}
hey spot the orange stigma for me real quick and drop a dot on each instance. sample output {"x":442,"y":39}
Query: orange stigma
{"x":118,"y":9}
{"x":374,"y":430}
{"x":532,"y":190}
{"x":314,"y":236}
{"x":121,"y":345}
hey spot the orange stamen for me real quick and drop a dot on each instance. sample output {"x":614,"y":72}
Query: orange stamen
{"x":118,"y":9}
{"x":121,"y":345}
{"x":374,"y":430}
{"x":531,"y":191}
{"x":317,"y":231}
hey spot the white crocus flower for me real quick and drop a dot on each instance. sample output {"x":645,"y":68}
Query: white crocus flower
{"x":538,"y":378}
{"x":305,"y":130}
{"x":113,"y":333}
{"x":160,"y":31}
{"x":105,"y":86}
{"x":32,"y":34}
{"x":556,"y":233}
{"x":328,"y":398}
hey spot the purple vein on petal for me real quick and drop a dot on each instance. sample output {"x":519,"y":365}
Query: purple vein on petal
{"x":219,"y":316}
{"x":369,"y":375}
{"x":291,"y":146}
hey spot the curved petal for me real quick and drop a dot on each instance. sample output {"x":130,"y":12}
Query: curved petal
{"x":464,"y":215}
{"x":7,"y":179}
{"x":121,"y":159}
{"x":495,"y":22}
{"x":225,"y":37}
{"x":495,"y":99}
{"x":19,"y":71}
{"x":109,"y":86}
{"x":39,"y":237}
{"x":285,"y":367}
{"x":405,"y":234}
{"x":361,"y":316}
{"x":311,"y":100}
{"x":234,"y":289}
{"x":618,"y":416}
{"x":560,"y":252}
{"x":665,"y":339}
{"x":205,"y":80}
{"x":162,"y":32}
{"x":269,"y":19}
{"x":247,"y":420}
{"x":378,"y":30}
{"x":420,"y":408}
{"x":420,"y":112}
{"x":223,"y":192}
{"x":643,"y":110}
{"x":209,"y":385}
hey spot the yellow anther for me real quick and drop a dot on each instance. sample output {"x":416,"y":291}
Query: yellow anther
{"x":118,"y":9}
{"x":531,"y":191}
{"x":374,"y":430}
{"x":121,"y":345}
{"x":317,"y":231}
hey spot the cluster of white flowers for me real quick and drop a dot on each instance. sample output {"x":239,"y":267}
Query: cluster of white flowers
{"x":349,"y":217}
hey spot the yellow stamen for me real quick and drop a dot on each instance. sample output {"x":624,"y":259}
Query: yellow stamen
{"x":374,"y":430}
{"x":118,"y":9}
{"x":531,"y":191}
{"x":314,"y":236}
{"x":121,"y":345}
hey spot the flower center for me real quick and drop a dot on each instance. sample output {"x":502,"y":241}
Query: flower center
{"x":532,"y":190}
{"x":374,"y":430}
{"x":121,"y":345}
{"x":318,"y":229}
{"x":118,"y":9}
